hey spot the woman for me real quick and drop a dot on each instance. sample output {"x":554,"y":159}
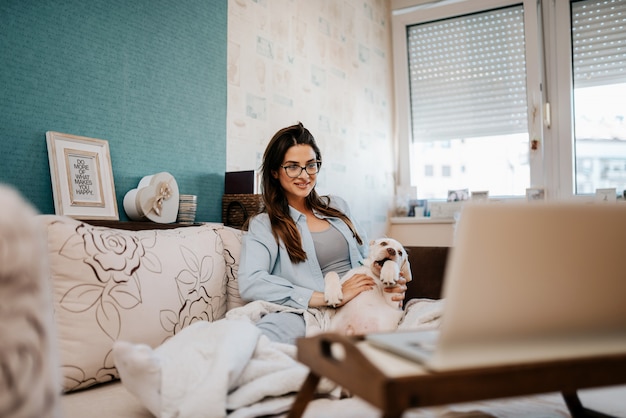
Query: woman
{"x":298,"y":238}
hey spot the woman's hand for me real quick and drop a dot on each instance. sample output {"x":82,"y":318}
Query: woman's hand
{"x":398,"y":290}
{"x":350,"y":289}
{"x":355,"y":285}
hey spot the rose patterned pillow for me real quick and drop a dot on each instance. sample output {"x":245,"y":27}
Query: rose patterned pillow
{"x":139,"y":286}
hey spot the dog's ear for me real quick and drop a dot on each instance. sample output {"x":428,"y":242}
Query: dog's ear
{"x":405,"y":268}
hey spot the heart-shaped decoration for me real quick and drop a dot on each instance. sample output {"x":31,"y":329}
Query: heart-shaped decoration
{"x":156,"y":198}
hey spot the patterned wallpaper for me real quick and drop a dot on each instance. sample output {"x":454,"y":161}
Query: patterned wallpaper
{"x":326,"y":63}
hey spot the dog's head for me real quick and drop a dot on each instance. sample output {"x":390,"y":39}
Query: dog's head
{"x":385,"y":249}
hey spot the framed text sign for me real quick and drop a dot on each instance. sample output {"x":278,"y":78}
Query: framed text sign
{"x":82,"y":177}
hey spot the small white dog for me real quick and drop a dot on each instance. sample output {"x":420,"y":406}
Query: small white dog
{"x":370,"y":311}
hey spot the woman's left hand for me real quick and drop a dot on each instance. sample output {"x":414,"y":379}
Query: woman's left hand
{"x":398,"y":290}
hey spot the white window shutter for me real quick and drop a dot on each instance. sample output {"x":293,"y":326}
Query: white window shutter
{"x":468,"y":76}
{"x":599,"y":42}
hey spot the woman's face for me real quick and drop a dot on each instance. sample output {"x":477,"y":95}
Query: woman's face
{"x":298,"y":188}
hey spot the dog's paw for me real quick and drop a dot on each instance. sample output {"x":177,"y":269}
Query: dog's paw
{"x":389,"y":273}
{"x":332,"y":289}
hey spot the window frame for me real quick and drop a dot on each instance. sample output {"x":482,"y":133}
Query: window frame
{"x":559,"y":61}
{"x":550,"y":98}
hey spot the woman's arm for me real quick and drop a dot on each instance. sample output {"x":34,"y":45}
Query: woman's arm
{"x":266,"y":273}
{"x":350,"y":289}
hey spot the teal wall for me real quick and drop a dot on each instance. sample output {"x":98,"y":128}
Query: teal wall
{"x":149,"y":76}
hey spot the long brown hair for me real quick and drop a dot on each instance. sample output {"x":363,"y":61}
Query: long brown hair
{"x":274,"y":199}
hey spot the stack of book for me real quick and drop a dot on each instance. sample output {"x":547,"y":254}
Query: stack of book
{"x":187,"y":208}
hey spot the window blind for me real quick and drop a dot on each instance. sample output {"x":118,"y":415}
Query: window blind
{"x":599,"y":42}
{"x":468,"y":76}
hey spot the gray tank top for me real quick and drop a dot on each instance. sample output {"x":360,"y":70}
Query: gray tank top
{"x":332,"y":251}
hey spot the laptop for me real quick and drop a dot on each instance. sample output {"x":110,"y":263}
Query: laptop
{"x":527,"y":282}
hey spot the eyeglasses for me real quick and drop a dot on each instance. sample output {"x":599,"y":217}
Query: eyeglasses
{"x":294,"y":170}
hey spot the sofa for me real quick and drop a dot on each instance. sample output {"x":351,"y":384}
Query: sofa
{"x":143,"y":298}
{"x":139,"y":282}
{"x":69,"y":289}
{"x":138,"y":286}
{"x":105,"y":284}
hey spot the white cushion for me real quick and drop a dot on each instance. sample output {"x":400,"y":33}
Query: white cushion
{"x":137,"y":286}
{"x":29,"y":368}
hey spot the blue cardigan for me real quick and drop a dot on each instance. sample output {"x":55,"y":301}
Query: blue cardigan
{"x":267,"y":273}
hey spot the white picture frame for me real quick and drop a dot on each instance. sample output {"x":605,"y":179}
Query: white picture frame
{"x":606,"y":195}
{"x":458,"y":195}
{"x":82,"y":177}
{"x":535,"y":194}
{"x":480,"y":195}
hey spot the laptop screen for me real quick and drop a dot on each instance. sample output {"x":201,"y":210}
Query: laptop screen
{"x":534,"y":281}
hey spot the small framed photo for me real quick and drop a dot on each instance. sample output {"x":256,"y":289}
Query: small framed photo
{"x":82,"y":177}
{"x":608,"y":195}
{"x":458,"y":195}
{"x":535,"y":194}
{"x":480,"y":195}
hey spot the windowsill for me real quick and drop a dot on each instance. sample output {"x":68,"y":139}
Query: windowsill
{"x":419,"y":220}
{"x":422,"y":231}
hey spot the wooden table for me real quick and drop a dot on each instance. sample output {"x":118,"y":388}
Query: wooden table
{"x":358,"y":368}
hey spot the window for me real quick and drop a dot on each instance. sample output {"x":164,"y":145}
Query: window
{"x":516,"y":93}
{"x":599,"y":72}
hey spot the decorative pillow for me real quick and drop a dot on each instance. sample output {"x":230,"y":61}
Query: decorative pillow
{"x":138,"y":286}
{"x":231,"y":239}
{"x":29,"y":377}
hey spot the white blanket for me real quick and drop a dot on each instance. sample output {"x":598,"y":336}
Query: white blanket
{"x":227,"y":368}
